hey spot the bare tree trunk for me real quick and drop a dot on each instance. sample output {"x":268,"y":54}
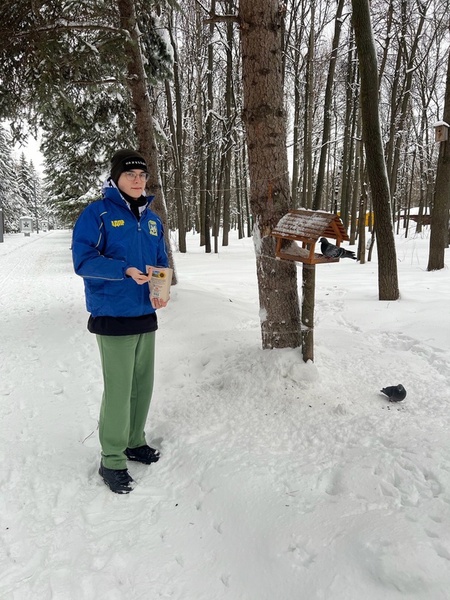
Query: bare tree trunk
{"x":387,"y":39}
{"x":410,"y":56}
{"x":265,"y":122}
{"x":178,"y":179}
{"x":307,"y":189}
{"x":351,"y":110}
{"x":208,"y":136}
{"x":137,"y":85}
{"x":297,"y":27}
{"x":296,"y":140}
{"x":317,"y":204}
{"x":359,"y":156}
{"x":176,"y":130}
{"x":439,"y":213}
{"x":228,"y":134}
{"x":201,"y":163}
{"x":362,"y":210}
{"x":239,"y":207}
{"x":376,"y":166}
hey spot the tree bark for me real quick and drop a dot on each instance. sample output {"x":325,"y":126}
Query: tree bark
{"x":265,"y":123}
{"x":373,"y":144}
{"x":440,"y":211}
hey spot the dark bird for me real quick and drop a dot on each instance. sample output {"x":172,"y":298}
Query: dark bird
{"x":395,"y":393}
{"x":332,"y":251}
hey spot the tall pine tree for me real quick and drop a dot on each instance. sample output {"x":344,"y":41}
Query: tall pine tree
{"x":70,"y":60}
{"x":11,"y":199}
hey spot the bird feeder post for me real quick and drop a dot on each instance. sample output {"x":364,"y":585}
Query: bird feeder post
{"x":308,"y":301}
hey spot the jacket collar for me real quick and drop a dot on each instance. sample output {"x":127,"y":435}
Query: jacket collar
{"x":112,"y":192}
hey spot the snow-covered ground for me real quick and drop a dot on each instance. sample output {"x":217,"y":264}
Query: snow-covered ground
{"x":278,"y":480}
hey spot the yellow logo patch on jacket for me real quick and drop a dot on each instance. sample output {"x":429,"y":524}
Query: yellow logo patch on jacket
{"x":118,"y":223}
{"x":152,"y":228}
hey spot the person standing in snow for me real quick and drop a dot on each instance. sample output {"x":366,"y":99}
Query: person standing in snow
{"x":114,"y":240}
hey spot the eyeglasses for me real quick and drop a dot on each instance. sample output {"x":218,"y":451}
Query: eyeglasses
{"x":131,"y":176}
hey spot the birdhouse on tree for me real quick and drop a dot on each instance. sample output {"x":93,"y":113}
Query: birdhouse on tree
{"x":441,"y":131}
{"x":299,"y":230}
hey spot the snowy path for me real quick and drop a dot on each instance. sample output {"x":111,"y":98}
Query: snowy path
{"x":278,"y":480}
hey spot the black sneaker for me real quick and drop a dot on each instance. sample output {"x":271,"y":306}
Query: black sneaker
{"x":118,"y":480}
{"x":143,"y":454}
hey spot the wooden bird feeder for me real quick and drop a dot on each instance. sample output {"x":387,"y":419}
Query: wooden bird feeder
{"x":307,"y":227}
{"x":441,"y":131}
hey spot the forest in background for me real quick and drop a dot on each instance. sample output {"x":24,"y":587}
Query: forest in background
{"x":81,"y":104}
{"x":21,"y":191}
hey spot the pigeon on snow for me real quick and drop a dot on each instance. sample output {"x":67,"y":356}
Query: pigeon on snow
{"x":395,"y":393}
{"x":332,"y":251}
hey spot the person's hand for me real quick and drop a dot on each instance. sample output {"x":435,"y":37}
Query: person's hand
{"x":138,"y":276}
{"x":158,"y":303}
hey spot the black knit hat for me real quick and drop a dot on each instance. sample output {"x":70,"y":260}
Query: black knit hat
{"x":126,"y":160}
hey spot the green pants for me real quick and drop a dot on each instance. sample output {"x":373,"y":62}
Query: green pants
{"x":128,"y":372}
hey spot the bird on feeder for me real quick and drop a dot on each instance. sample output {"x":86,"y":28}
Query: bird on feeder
{"x":332,"y":251}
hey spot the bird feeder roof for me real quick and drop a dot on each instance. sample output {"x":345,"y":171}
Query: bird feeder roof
{"x":310,"y":225}
{"x":307,"y":226}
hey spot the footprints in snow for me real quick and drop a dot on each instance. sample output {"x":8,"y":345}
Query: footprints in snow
{"x":198,"y":517}
{"x":216,"y":525}
{"x":405,"y":483}
{"x":391,"y":340}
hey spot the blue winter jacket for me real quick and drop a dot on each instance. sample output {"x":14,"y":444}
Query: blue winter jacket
{"x":107,"y":239}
